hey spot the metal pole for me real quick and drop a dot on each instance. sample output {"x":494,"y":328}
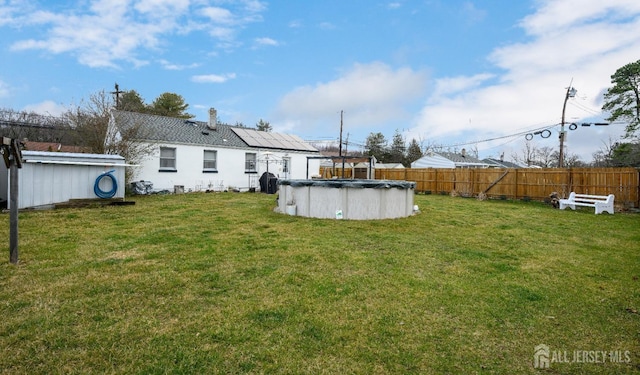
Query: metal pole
{"x":340,"y":146}
{"x":13,"y":211}
{"x":268,"y":178}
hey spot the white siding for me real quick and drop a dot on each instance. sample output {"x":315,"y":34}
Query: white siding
{"x":231,"y":168}
{"x":47,"y":178}
{"x":433,"y":161}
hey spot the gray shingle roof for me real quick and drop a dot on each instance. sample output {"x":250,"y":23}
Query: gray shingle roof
{"x":458,"y":158}
{"x":178,"y":131}
{"x":501,"y":163}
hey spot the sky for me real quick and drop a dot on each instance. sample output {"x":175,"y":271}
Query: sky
{"x":478,"y":74}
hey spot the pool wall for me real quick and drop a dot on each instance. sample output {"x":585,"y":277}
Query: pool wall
{"x":346,"y":199}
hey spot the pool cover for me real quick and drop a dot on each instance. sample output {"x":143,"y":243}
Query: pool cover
{"x":347,"y":183}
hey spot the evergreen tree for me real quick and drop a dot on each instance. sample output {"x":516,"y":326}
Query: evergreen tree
{"x":397,"y":150}
{"x":376,"y":146}
{"x":414,"y":152}
{"x":131,"y":101}
{"x":170,"y":104}
{"x":622,"y":100}
{"x":263,"y":126}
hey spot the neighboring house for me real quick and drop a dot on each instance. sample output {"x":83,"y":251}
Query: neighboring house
{"x":449,"y":160}
{"x":500,"y":163}
{"x":433,"y":160}
{"x":334,"y":163}
{"x":196,"y":155}
{"x":53,"y":147}
{"x":389,"y":166}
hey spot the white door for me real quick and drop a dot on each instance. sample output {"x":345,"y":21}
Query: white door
{"x":286,"y":167}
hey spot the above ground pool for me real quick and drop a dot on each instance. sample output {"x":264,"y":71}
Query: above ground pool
{"x":346,"y":199}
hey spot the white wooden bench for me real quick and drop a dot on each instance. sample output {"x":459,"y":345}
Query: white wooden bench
{"x":600,"y":202}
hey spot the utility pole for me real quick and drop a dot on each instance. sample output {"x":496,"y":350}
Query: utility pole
{"x":571,"y":92}
{"x":117,"y":94}
{"x":346,"y":145}
{"x":340,"y":146}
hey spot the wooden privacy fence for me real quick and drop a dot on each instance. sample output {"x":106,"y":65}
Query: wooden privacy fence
{"x":525,"y":183}
{"x":329,"y":172}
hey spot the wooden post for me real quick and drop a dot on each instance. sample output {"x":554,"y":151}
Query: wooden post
{"x":13,"y":211}
{"x":515,"y":195}
{"x":12,"y":156}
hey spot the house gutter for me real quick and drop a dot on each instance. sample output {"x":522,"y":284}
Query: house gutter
{"x":79,"y":163}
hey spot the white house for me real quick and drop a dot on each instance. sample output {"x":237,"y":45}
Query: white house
{"x":448,"y":160}
{"x":501,"y":163}
{"x":196,"y":155}
{"x":433,"y":160}
{"x":389,"y":166}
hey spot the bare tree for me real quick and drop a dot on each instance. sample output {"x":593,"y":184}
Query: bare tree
{"x":604,"y":156}
{"x":100,"y":132}
{"x":546,"y":157}
{"x":473,"y":151}
{"x":527,"y":155}
{"x":34,"y":127}
{"x":429,"y":146}
{"x":90,"y":119}
{"x":570,"y":160}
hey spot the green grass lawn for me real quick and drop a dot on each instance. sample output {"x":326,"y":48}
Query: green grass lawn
{"x":219,"y":283}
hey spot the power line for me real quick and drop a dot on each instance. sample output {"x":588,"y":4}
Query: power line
{"x":585,"y":108}
{"x":501,"y":137}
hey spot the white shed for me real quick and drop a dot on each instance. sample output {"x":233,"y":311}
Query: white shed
{"x":47,"y":178}
{"x":433,"y":160}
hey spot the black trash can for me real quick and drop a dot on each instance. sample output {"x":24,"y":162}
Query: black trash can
{"x":268,"y":183}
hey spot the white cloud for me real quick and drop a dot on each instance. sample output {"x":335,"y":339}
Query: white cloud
{"x":266,"y":42}
{"x":162,"y":7}
{"x":106,"y":32}
{"x":4,"y":89}
{"x":448,"y":86}
{"x":9,"y":11}
{"x":213,"y":78}
{"x":219,"y":15}
{"x":472,"y":14}
{"x":171,"y":66}
{"x":370,"y":94}
{"x":327,"y":26}
{"x":255,"y":6}
{"x":555,"y":17}
{"x":569,"y":39}
{"x":47,"y":107}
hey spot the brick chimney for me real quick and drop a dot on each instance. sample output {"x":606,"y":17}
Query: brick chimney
{"x":213,"y":119}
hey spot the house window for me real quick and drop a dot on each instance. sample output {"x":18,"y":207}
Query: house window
{"x":210,"y":161}
{"x":250,"y":162}
{"x":167,"y":159}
